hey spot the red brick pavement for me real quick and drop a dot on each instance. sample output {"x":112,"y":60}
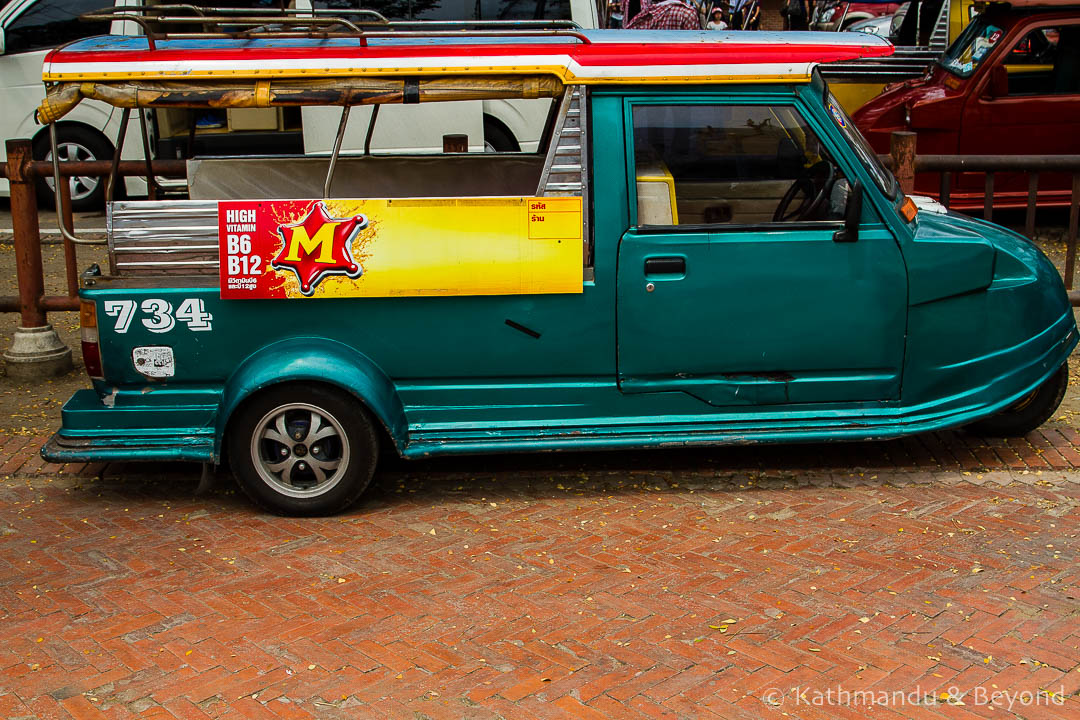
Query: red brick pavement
{"x":734,"y":583}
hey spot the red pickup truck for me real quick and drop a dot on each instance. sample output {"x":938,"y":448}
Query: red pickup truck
{"x":1009,"y":85}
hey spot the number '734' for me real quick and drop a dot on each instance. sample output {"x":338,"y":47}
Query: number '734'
{"x":158,"y":316}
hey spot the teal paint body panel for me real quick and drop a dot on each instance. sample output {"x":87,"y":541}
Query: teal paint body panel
{"x":800,"y":318}
{"x":765,"y":336}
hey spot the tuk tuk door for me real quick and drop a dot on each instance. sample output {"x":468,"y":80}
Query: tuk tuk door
{"x":731,"y":287}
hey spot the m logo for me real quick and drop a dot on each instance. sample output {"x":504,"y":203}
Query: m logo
{"x":319,"y":245}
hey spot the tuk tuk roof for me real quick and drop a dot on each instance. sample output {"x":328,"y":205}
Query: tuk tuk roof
{"x":591,"y":57}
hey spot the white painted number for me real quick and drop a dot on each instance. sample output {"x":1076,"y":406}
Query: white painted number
{"x":244,"y":265}
{"x":123,"y":311}
{"x":162,"y":320}
{"x":237,"y":244}
{"x":193,"y":312}
{"x":160,"y":317}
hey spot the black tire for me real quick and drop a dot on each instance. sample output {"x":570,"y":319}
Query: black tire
{"x":497,"y":138}
{"x":75,"y":142}
{"x":1029,"y":412}
{"x":314,"y":477}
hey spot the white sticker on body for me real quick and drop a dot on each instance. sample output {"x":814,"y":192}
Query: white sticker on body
{"x":154,"y":361}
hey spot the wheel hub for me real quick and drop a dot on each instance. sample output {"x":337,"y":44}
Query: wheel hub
{"x":300,"y":450}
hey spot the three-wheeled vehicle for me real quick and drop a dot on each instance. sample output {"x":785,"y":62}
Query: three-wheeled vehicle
{"x":1009,"y":85}
{"x":702,"y":251}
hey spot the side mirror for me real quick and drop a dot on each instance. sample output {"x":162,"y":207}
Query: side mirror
{"x":852,"y":215}
{"x":998,"y":86}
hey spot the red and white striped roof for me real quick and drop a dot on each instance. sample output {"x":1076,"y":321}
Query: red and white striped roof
{"x":597,"y":57}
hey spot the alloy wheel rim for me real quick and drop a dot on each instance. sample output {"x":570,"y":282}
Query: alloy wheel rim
{"x":81,"y":186}
{"x":300,"y":450}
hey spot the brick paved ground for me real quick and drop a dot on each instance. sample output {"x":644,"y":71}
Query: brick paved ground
{"x":700,"y":584}
{"x":736,"y":583}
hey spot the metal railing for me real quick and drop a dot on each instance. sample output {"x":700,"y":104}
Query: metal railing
{"x":906,"y":163}
{"x":170,"y":22}
{"x":23,"y":172}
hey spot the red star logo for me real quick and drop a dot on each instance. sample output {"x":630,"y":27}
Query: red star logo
{"x":319,"y":245}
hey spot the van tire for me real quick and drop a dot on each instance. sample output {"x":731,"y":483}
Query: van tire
{"x":497,"y":137}
{"x":1027,"y":413}
{"x":290,"y":474}
{"x":82,"y":143}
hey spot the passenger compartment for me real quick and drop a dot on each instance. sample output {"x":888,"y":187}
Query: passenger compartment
{"x":371,"y":176}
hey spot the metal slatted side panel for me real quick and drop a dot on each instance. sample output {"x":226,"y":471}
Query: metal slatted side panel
{"x":566,"y":171}
{"x":174,"y":237}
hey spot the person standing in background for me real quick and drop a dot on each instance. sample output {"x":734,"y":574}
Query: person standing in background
{"x":796,"y":14}
{"x":716,"y":20}
{"x":663,"y":15}
{"x":753,"y":15}
{"x":615,"y":16}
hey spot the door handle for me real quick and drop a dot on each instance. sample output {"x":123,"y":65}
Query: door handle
{"x":665,"y":266}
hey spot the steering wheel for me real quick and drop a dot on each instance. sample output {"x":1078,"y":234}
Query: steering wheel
{"x":814,"y":183}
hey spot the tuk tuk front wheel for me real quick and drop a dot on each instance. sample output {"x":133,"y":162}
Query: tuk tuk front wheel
{"x":303,"y":450}
{"x":1029,"y":412}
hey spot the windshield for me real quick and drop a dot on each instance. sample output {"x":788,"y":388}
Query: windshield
{"x":884,"y":179}
{"x":972,"y":47}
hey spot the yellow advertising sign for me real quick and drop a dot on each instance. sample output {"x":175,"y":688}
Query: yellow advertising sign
{"x":400,"y":247}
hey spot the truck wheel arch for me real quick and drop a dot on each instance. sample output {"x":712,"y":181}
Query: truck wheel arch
{"x":317,"y":361}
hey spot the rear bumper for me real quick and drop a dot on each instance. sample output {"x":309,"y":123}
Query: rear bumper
{"x":157,"y":430}
{"x":62,"y":449}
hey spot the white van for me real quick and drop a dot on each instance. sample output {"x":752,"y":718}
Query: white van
{"x":29,"y":28}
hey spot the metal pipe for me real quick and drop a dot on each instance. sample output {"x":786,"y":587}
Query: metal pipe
{"x":1029,"y":217}
{"x":27,"y":240}
{"x":71,"y":266}
{"x":1070,"y":242}
{"x":116,"y":158}
{"x":370,"y":130}
{"x":54,"y":303}
{"x":997,"y":163}
{"x":151,"y":183}
{"x":342,"y":123}
{"x":49,"y":303}
{"x":58,"y":197}
{"x":946,"y":188}
{"x":102,"y":168}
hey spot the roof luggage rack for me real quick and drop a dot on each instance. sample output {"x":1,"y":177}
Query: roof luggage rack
{"x":172,"y":22}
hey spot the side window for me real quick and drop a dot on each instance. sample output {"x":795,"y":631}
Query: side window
{"x":731,"y":165}
{"x":1045,"y":62}
{"x":48,"y":23}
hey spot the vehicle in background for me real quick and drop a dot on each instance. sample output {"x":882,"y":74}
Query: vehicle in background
{"x":885,"y":26}
{"x":1009,"y":85}
{"x":29,"y":28}
{"x":925,"y":32}
{"x":839,"y":15}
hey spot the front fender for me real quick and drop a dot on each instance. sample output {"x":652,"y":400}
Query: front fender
{"x":317,"y":360}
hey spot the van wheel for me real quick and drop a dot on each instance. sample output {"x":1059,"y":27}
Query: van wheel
{"x":497,"y":138}
{"x":303,"y":449}
{"x":75,"y":143}
{"x":1029,"y":412}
